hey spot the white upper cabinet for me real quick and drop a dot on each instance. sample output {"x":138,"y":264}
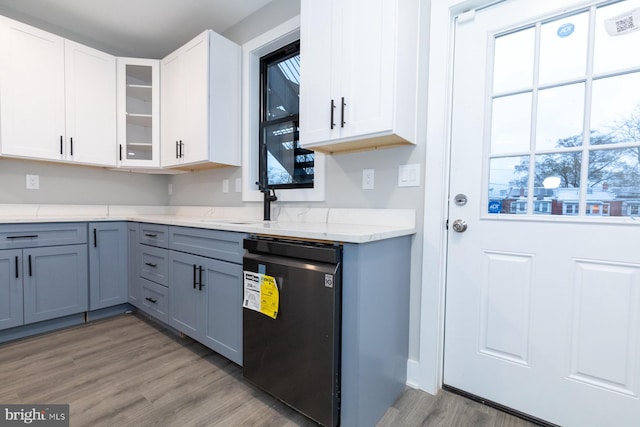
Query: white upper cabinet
{"x":200,"y":104}
{"x":90,"y":87}
{"x":32,"y":105}
{"x":138,"y":112}
{"x":57,"y":98}
{"x":359,"y":73}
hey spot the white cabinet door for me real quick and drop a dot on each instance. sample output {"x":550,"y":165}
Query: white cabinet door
{"x":90,"y":82}
{"x":200,"y":103}
{"x":359,"y":73}
{"x":138,"y":112}
{"x":368,"y":62}
{"x":195,"y":91}
{"x":171,"y":109}
{"x":319,"y":31}
{"x":32,"y":92}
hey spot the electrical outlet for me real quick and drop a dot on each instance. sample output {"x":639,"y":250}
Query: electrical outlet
{"x":238,"y":185}
{"x":170,"y":189}
{"x":368,"y":179}
{"x":225,"y":185}
{"x":33,"y":182}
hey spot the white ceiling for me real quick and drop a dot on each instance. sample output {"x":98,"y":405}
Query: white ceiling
{"x":142,"y":28}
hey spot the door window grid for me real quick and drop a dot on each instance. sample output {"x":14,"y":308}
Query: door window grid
{"x":585,"y":161}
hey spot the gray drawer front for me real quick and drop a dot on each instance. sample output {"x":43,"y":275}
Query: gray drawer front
{"x":154,"y":234}
{"x":222,"y":245}
{"x":16,"y":236}
{"x":154,"y":300}
{"x":154,"y":264}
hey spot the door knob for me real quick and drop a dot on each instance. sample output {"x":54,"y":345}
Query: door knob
{"x":459,"y":226}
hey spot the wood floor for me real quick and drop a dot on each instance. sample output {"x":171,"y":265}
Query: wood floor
{"x":129,"y":371}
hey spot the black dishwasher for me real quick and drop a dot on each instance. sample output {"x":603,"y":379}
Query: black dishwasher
{"x":293,"y":351}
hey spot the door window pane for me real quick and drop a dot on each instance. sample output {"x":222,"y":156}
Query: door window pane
{"x":513,"y":61}
{"x":563,"y":48}
{"x":615,"y":109}
{"x":620,"y":50}
{"x":508,"y":181}
{"x":557,"y":181}
{"x":511,"y":123}
{"x":560,"y":115}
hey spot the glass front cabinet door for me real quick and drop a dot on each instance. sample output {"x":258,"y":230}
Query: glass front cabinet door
{"x":138,"y":113}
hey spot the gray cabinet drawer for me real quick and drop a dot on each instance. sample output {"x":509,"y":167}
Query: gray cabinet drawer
{"x":222,"y":245}
{"x":14,"y":236}
{"x":154,"y":264}
{"x":154,"y":234}
{"x":154,"y":300}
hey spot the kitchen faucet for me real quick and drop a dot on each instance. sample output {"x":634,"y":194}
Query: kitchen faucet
{"x":269,"y":196}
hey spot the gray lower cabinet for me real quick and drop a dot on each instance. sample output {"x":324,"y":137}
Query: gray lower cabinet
{"x":205,"y":302}
{"x":133,"y":272}
{"x":108,"y":264}
{"x":55,"y":282}
{"x":11,"y":305}
{"x":43,"y":272}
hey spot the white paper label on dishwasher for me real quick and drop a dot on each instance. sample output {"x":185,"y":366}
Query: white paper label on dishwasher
{"x":261,"y":293}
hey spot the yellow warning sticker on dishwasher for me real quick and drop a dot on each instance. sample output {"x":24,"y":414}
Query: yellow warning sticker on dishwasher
{"x":261,"y":293}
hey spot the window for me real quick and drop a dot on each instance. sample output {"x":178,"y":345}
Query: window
{"x":283,"y":163}
{"x":252,"y":51}
{"x":562,"y":118}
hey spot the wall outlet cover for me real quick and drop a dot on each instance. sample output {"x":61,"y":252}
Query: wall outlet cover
{"x":368,"y":176}
{"x":33,"y":182}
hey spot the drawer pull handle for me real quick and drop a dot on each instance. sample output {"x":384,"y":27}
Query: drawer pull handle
{"x":150,"y":264}
{"x":29,"y":236}
{"x":151,"y":300}
{"x":200,"y":285}
{"x":153,"y":236}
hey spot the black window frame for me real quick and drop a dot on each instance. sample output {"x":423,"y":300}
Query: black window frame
{"x":289,"y":51}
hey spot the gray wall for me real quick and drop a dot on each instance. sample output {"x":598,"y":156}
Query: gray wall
{"x":71,"y":184}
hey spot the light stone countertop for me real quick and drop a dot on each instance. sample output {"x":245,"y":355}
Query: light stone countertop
{"x":343,"y":225}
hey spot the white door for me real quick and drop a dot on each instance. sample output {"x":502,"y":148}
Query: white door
{"x":543,"y":287}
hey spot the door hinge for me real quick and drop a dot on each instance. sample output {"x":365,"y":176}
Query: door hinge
{"x":446,"y":224}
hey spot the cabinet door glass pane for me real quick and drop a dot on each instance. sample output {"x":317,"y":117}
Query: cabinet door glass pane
{"x":139,"y":108}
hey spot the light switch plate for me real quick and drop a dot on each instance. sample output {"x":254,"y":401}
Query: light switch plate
{"x":225,"y":185}
{"x":409,"y":175}
{"x":238,"y":185}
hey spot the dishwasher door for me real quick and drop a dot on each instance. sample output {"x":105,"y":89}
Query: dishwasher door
{"x":296,"y":356}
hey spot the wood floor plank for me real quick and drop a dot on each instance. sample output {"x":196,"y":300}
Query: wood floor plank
{"x":130,"y":371}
